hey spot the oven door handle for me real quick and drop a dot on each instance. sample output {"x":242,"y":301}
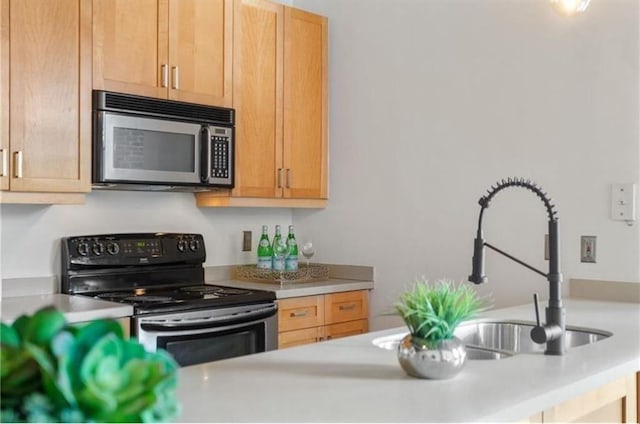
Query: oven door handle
{"x":210,"y":322}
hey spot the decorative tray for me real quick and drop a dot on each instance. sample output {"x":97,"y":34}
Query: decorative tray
{"x":304,"y":274}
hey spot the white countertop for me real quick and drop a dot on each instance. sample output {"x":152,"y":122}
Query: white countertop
{"x":75,"y":308}
{"x":349,"y":379}
{"x":282,"y":291}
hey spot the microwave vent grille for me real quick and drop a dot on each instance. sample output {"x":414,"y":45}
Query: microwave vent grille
{"x":144,"y":105}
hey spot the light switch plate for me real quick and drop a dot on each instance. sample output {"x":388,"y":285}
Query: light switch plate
{"x":588,"y":249}
{"x":623,"y":202}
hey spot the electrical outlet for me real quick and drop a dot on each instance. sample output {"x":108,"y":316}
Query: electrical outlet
{"x":246,"y":241}
{"x":588,"y":249}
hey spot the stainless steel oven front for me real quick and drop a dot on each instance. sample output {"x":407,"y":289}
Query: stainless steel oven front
{"x":199,"y":336}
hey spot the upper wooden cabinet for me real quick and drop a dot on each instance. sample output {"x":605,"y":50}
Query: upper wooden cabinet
{"x":174,"y":49}
{"x":280,"y":96}
{"x":45,"y":89}
{"x":305,"y":105}
{"x":257,"y":96}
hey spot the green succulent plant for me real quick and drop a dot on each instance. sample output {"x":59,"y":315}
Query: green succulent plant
{"x":432,"y":312}
{"x":54,"y":372}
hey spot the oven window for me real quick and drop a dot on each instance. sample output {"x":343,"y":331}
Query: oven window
{"x":153,"y":150}
{"x":212,"y":346}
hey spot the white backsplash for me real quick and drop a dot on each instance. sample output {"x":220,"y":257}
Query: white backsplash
{"x":31,"y":233}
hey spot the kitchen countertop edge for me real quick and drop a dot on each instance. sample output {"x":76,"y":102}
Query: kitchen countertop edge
{"x":288,"y":290}
{"x":75,"y":308}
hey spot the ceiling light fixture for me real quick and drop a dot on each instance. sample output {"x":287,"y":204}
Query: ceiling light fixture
{"x":569,"y":7}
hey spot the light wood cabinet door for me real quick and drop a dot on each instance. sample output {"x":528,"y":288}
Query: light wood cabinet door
{"x":280,"y":95}
{"x":175,"y":49}
{"x":346,"y":306}
{"x":49,"y":74}
{"x":311,"y":319}
{"x":257,"y":96}
{"x":305,"y":104}
{"x":4,"y":94}
{"x":200,"y":51}
{"x":131,"y":46}
{"x":345,"y":329}
{"x":300,"y":312}
{"x":613,"y":402}
{"x":299,"y":337}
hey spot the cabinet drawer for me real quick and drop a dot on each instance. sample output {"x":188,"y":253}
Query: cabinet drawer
{"x":300,"y":312}
{"x":299,"y":337}
{"x":346,"y":306}
{"x":344,"y":329}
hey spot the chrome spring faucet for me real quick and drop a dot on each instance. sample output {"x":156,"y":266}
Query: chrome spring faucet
{"x":553,"y":332}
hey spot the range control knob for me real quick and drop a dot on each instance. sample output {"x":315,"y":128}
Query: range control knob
{"x":83,"y":249}
{"x":113,"y":248}
{"x":194,"y":245}
{"x":97,"y":249}
{"x":182,"y":245}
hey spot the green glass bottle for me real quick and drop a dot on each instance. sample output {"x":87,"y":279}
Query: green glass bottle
{"x":278,"y":263}
{"x":291,"y":263}
{"x":264,"y":250}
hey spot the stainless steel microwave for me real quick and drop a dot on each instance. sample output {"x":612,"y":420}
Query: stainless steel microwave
{"x":142,"y":143}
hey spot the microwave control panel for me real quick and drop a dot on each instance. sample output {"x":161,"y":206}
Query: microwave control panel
{"x":221,"y":148}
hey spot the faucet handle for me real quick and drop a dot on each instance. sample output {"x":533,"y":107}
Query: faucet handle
{"x":536,"y":306}
{"x":538,"y":333}
{"x":543,"y":333}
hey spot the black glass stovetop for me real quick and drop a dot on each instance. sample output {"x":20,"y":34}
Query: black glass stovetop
{"x":168,"y":299}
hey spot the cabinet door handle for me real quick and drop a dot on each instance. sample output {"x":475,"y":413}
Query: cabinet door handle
{"x":350,"y":307}
{"x":297,"y":314}
{"x":175,"y":79}
{"x":3,"y":171}
{"x":164,"y":69}
{"x":280,"y":177}
{"x":288,"y":180}
{"x":18,"y":164}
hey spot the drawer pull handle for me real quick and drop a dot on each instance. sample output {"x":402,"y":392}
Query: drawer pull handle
{"x":165,"y":75}
{"x":297,"y":314}
{"x":3,"y":172}
{"x":280,"y":177}
{"x":288,"y":184}
{"x":175,"y":80}
{"x":350,"y":307}
{"x":18,"y":164}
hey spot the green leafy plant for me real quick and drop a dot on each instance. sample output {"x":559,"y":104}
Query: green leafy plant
{"x":432,"y":312}
{"x":55,"y":372}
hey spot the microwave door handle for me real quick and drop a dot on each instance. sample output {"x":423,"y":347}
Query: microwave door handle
{"x":205,"y":157}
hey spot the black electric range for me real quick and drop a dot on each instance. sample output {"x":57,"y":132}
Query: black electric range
{"x":153,"y":272}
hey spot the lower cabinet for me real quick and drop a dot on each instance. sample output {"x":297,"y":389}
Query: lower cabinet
{"x":311,"y":319}
{"x":615,"y":402}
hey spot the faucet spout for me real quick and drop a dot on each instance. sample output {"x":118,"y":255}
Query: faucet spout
{"x":553,"y":332}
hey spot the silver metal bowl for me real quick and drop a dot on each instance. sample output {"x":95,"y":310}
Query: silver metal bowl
{"x":434,"y":360}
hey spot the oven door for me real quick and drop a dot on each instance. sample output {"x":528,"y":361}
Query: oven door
{"x":135,"y":149}
{"x":195,"y":337}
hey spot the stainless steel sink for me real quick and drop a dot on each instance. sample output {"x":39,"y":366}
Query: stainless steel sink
{"x":478,"y":353}
{"x":473,"y":352}
{"x":497,"y":339}
{"x":513,"y":336}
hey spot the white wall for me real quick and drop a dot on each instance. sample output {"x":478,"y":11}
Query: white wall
{"x":433,"y":101}
{"x":31,"y":234}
